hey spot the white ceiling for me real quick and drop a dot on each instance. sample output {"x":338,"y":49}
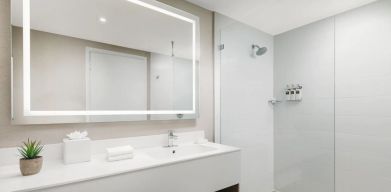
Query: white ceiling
{"x":128,"y":25}
{"x":278,"y":16}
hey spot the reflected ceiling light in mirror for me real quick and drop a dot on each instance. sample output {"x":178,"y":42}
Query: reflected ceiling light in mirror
{"x":102,"y":20}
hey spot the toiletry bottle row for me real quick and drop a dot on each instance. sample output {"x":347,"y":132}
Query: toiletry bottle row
{"x":293,"y":92}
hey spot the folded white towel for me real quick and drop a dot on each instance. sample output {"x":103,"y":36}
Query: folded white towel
{"x":122,"y":150}
{"x":120,"y":157}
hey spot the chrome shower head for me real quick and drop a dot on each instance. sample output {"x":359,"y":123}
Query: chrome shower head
{"x":259,"y":51}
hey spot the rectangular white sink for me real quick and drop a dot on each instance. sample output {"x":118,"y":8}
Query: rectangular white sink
{"x":179,"y":151}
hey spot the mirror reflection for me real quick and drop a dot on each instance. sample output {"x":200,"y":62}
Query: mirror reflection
{"x":99,"y":55}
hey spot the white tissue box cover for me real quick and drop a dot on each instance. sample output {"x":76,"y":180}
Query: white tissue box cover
{"x":76,"y":151}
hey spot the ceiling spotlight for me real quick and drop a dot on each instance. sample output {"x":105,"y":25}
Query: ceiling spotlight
{"x":102,"y":19}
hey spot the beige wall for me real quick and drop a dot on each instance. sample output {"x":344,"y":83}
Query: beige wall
{"x":11,"y":135}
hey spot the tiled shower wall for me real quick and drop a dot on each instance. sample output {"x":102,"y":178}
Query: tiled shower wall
{"x":363,"y":99}
{"x":344,"y":65}
{"x":304,"y":131}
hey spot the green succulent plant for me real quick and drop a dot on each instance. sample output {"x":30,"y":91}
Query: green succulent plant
{"x":30,"y":149}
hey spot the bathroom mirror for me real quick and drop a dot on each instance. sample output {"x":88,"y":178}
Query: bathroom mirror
{"x":97,"y":61}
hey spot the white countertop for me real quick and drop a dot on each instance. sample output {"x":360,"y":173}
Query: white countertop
{"x":55,"y":173}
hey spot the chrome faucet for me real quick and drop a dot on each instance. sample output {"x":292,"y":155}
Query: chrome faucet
{"x":171,"y":138}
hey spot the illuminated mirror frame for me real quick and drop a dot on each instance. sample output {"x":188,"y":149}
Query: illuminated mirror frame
{"x":149,"y":4}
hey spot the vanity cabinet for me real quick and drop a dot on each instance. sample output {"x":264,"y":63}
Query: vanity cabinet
{"x":209,"y":174}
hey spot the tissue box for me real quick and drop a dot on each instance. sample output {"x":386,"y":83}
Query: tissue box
{"x":76,"y":151}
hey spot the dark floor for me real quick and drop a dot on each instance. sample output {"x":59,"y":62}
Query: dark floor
{"x":234,"y":188}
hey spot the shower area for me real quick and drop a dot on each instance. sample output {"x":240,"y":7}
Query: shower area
{"x":337,"y":137}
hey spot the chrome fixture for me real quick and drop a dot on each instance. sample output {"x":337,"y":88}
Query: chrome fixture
{"x":259,"y":51}
{"x":274,"y":101}
{"x":171,"y":138}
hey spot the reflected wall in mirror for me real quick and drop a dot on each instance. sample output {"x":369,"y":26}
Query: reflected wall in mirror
{"x":119,"y":60}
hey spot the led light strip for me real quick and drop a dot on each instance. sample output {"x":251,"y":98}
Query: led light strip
{"x":27,"y":76}
{"x":155,"y":8}
{"x":26,"y":57}
{"x":101,"y":113}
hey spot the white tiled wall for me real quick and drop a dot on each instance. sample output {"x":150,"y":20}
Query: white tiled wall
{"x":304,"y":131}
{"x":363,"y":99}
{"x":360,"y":43}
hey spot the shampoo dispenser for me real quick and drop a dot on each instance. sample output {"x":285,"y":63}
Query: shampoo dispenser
{"x":292,"y":93}
{"x":287,"y":93}
{"x":298,"y":94}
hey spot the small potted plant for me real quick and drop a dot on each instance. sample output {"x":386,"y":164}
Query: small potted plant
{"x":30,"y":162}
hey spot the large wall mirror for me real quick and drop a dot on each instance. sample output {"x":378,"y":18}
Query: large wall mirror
{"x":102,"y":60}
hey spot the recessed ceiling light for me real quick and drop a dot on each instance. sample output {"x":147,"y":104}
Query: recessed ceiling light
{"x":102,"y":19}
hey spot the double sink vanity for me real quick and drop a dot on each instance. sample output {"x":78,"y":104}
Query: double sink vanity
{"x":187,"y":167}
